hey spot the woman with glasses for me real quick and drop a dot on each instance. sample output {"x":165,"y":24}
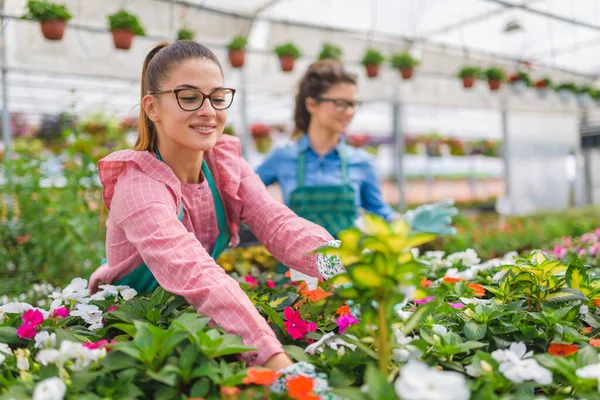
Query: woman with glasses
{"x":322,"y":178}
{"x":177,"y":199}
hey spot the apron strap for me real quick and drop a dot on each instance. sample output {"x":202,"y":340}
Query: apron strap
{"x":343,"y":159}
{"x":224,"y":236}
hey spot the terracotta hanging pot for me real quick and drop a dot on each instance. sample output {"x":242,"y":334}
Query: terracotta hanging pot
{"x":123,"y":38}
{"x":407,"y":72}
{"x":468,"y":82}
{"x":53,"y":29}
{"x":372,"y":70}
{"x":237,"y":58}
{"x":494,"y":84}
{"x":287,"y":63}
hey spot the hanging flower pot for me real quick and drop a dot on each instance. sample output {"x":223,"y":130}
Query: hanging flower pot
{"x":584,"y":95}
{"x":372,"y":61}
{"x":405,"y":63}
{"x":330,"y":52}
{"x":565,"y":91}
{"x":237,"y":51}
{"x":469,"y":75}
{"x":53,"y":29}
{"x":542,"y":87}
{"x":262,"y":137}
{"x":495,"y":76}
{"x":287,"y":53}
{"x":519,"y":82}
{"x":53,"y":17}
{"x":122,"y":38}
{"x":124,"y":26}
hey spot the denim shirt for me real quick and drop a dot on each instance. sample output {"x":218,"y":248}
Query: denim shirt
{"x":281,"y":166}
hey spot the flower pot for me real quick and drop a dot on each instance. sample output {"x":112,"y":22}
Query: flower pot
{"x":372,"y":70}
{"x":53,"y":29}
{"x":122,"y":38}
{"x":287,"y":63}
{"x":468,"y":82}
{"x":494,"y":84}
{"x":518,"y":86}
{"x":583,"y":99}
{"x":564,"y":95}
{"x":407,"y":73}
{"x":237,"y":58}
{"x":542,"y":92}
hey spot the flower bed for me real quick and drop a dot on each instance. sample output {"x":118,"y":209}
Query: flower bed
{"x":398,"y":324}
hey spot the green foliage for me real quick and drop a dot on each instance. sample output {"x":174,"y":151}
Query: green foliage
{"x":330,"y":51}
{"x":467,"y":71}
{"x":127,"y":21}
{"x":372,"y":56}
{"x":287,"y":49}
{"x":185,"y":34}
{"x":42,"y":10}
{"x":494,"y":73}
{"x":403,"y":60}
{"x":238,"y":43}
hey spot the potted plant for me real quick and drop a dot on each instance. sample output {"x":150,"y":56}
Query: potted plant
{"x":583,"y":95}
{"x":237,"y":51}
{"x":330,"y":51}
{"x":405,"y":63}
{"x":228,"y":130}
{"x":469,"y":75}
{"x":185,"y":34}
{"x":124,"y":26}
{"x":494,"y":76}
{"x":519,"y":81}
{"x":287,"y":53}
{"x":52,"y":17}
{"x":565,"y":90}
{"x":261,"y":134}
{"x":372,"y":61}
{"x":542,"y":86}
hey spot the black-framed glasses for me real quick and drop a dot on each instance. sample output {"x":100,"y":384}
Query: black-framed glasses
{"x":341,"y":105}
{"x":193,"y":99}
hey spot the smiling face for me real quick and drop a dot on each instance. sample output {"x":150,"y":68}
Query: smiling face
{"x":335,"y":112}
{"x":182,"y":130}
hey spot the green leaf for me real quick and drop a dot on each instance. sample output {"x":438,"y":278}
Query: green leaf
{"x":273,"y":316}
{"x":375,"y":225}
{"x":350,"y":393}
{"x":129,"y":349}
{"x":576,"y":275}
{"x":190,"y":322}
{"x":127,"y":328}
{"x":565,"y":294}
{"x":338,"y":378}
{"x":586,"y":356}
{"x":282,"y":300}
{"x":350,"y":238}
{"x":200,"y":388}
{"x":8,"y":335}
{"x":231,"y":344}
{"x":422,"y":312}
{"x":188,"y":357}
{"x":466,"y":346}
{"x":365,"y":276}
{"x":377,"y":383}
{"x":167,"y":375}
{"x":475,"y":331}
{"x":297,"y":353}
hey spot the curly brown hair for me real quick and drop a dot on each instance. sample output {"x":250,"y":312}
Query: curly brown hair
{"x":319,"y":78}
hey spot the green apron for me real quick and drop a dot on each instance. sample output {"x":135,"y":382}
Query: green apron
{"x":141,"y":278}
{"x":333,"y":206}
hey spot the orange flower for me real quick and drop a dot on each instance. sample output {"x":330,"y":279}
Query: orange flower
{"x":288,"y":274}
{"x":449,"y":279}
{"x":343,"y":310}
{"x":595,"y":342}
{"x":425,"y":282}
{"x":311,"y":295}
{"x":597,"y":302}
{"x":230,"y":393}
{"x":587,"y":329}
{"x":261,"y":376}
{"x":478,"y":290}
{"x":558,"y":349}
{"x":301,"y":388}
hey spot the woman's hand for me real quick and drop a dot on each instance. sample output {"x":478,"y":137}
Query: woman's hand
{"x":278,"y":361}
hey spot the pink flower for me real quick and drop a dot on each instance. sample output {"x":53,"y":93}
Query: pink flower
{"x":33,"y":317}
{"x":589,"y":238}
{"x":62,"y":312}
{"x":112,"y":308}
{"x":270,"y":283}
{"x":345,"y":321}
{"x":597,"y":232}
{"x":594,"y":249}
{"x":458,"y":305}
{"x":98,"y":344}
{"x":251,"y":281}
{"x":581,"y":252}
{"x":560,"y":252}
{"x":424,"y":300}
{"x":26,"y":331}
{"x":296,"y":327}
{"x":567,"y":241}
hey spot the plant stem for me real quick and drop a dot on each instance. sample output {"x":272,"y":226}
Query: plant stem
{"x":384,"y":345}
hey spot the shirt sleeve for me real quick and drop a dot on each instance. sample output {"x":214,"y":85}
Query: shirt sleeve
{"x":183,"y":267}
{"x":267,"y":171}
{"x":285,"y":235}
{"x":371,"y":197}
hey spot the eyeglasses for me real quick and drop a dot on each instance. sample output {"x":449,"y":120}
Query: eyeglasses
{"x":192,"y":99}
{"x":341,"y":105}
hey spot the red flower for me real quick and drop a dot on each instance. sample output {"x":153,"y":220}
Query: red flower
{"x":270,"y":283}
{"x":425,"y":282}
{"x":558,"y":349}
{"x":26,"y":331}
{"x":260,"y":376}
{"x":33,"y":317}
{"x":62,"y":312}
{"x":301,"y":388}
{"x":98,"y":344}
{"x":478,"y":290}
{"x":295,"y":325}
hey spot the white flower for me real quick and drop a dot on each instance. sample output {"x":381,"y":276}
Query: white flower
{"x":44,"y":339}
{"x":404,"y":315}
{"x":88,"y":312}
{"x":75,"y":291}
{"x":406,"y":351}
{"x":2,"y":358}
{"x":518,"y":366}
{"x":5,"y":349}
{"x":468,"y":258}
{"x":415,"y":252}
{"x":418,"y":381}
{"x":439,"y":330}
{"x":435,"y":259}
{"x":15,"y":308}
{"x":583,"y":309}
{"x":408,"y":292}
{"x":499,"y":275}
{"x":591,"y":371}
{"x":333,"y":343}
{"x":50,"y":389}
{"x":49,"y":356}
{"x":111,"y":289}
{"x":467,"y":301}
{"x":128,"y":293}
{"x":467,"y":274}
{"x":22,"y":359}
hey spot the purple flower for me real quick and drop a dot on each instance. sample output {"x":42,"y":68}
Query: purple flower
{"x":458,"y":305}
{"x":345,"y":321}
{"x":424,"y":300}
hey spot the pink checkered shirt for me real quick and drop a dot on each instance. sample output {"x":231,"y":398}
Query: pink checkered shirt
{"x":143,"y":196}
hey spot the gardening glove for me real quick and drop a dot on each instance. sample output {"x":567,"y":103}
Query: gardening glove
{"x":433,"y":218}
{"x":320,"y":385}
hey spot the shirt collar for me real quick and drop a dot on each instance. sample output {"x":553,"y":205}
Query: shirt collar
{"x":304,"y":144}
